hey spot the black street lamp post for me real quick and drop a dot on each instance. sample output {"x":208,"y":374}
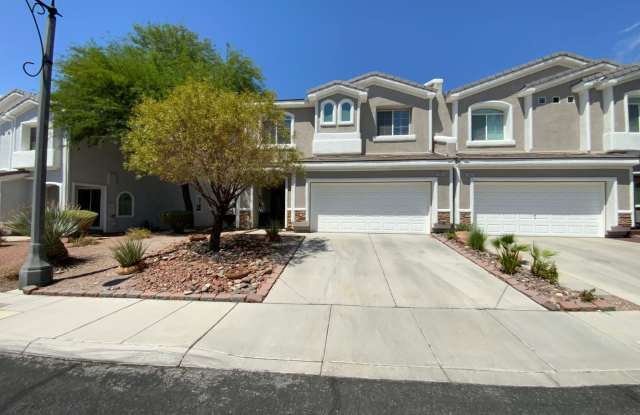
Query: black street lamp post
{"x":36,"y":269}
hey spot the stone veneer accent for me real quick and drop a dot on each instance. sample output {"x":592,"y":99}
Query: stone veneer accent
{"x":300,"y":217}
{"x":245,"y":219}
{"x":465,"y":218}
{"x":624,"y":219}
{"x":444,"y":218}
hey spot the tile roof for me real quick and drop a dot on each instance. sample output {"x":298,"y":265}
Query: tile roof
{"x":336,"y":82}
{"x":391,"y":78}
{"x":568,"y":72}
{"x":519,"y":68}
{"x":547,"y":155}
{"x":616,"y":73}
{"x":376,"y":157}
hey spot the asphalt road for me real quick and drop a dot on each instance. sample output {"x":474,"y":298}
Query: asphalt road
{"x":46,"y":386}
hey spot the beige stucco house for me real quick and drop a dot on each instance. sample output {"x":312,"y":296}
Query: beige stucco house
{"x":545,"y":148}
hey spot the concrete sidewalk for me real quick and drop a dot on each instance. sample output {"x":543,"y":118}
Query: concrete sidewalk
{"x":487,"y":346}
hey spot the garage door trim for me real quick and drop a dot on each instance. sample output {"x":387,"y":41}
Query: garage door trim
{"x":611,"y":192}
{"x":433,"y":181}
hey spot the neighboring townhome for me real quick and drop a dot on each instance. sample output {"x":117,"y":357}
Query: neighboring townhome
{"x":91,"y":177}
{"x":545,"y":148}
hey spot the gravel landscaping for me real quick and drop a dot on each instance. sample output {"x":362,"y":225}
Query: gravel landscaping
{"x":244,"y":270}
{"x":553,"y":297}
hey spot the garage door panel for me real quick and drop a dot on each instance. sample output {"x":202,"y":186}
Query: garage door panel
{"x":537,"y":208}
{"x":395,"y":207}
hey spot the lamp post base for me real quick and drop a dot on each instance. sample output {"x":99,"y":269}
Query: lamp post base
{"x":36,"y":270}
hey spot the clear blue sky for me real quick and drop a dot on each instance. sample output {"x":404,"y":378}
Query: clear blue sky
{"x":300,"y":44}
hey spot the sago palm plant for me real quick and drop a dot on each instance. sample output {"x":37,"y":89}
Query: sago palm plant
{"x":509,"y":252}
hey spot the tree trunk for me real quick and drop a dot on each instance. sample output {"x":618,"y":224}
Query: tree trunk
{"x":186,"y":198}
{"x":216,"y":230}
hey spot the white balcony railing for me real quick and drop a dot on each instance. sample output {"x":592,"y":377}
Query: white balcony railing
{"x":26,"y":159}
{"x":337,"y":143}
{"x":621,"y":141}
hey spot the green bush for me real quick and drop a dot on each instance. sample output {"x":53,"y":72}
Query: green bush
{"x":450,"y":235}
{"x":588,"y":296}
{"x":542,"y":266}
{"x":128,"y":252}
{"x":138,"y":233}
{"x":177,"y":220}
{"x":273,"y":232}
{"x":58,"y":223}
{"x":509,"y":253}
{"x":85,"y":219}
{"x":477,"y":239}
{"x":463,"y":227}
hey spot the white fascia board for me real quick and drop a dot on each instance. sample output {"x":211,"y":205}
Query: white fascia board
{"x":616,"y":81}
{"x":294,"y":104}
{"x":378,"y":165}
{"x":554,"y":163}
{"x":444,"y":139}
{"x":511,"y":76}
{"x":337,"y":89}
{"x":22,"y":107}
{"x":399,"y":86}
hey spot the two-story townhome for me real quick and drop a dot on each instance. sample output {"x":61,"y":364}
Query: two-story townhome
{"x":91,"y":177}
{"x":545,"y":148}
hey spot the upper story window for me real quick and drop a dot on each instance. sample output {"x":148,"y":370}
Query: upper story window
{"x":633,"y":113}
{"x":124,"y":205}
{"x":328,"y":113}
{"x":345,"y":112}
{"x":394,"y":122}
{"x":32,"y":137}
{"x":490,"y":124}
{"x":284,"y":131}
{"x":487,"y":124}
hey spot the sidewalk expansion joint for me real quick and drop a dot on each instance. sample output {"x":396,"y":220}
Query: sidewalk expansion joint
{"x":384,"y":275}
{"x":98,"y":319}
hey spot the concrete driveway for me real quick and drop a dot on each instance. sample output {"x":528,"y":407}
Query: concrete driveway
{"x":389,"y":271}
{"x":608,"y":265}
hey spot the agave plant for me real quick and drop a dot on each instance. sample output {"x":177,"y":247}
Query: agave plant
{"x":129,"y":252}
{"x":58,"y":223}
{"x":509,"y":252}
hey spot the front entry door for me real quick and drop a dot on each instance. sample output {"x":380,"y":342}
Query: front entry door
{"x":90,"y":199}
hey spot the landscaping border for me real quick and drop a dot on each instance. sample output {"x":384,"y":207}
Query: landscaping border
{"x":604,"y":303}
{"x":258,"y":297}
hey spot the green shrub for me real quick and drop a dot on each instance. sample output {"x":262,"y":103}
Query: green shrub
{"x":58,"y":223}
{"x":542,"y":266}
{"x":588,"y":296}
{"x":450,"y":235}
{"x":85,"y":219}
{"x":273,"y":232}
{"x":177,"y":220}
{"x":477,"y":239}
{"x":138,"y":233}
{"x":509,"y":253}
{"x":463,"y":227}
{"x":128,"y":252}
{"x":83,"y":240}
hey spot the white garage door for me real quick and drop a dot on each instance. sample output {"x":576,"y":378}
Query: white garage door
{"x":393,"y":207}
{"x":553,"y":209}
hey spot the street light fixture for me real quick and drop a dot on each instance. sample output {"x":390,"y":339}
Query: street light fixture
{"x":36,"y":269}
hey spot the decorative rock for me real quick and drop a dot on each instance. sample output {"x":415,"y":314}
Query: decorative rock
{"x":29,"y":289}
{"x":187,"y":292}
{"x":238,"y":275}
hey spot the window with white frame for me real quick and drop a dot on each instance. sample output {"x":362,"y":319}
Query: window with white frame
{"x":33,"y":131}
{"x":284,"y":130}
{"x":542,"y":100}
{"x":345,"y":114}
{"x":393,"y":122}
{"x":487,"y":124}
{"x":633,"y":113}
{"x":328,"y":113}
{"x":124,"y":205}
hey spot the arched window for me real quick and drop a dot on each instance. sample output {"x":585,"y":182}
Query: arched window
{"x":328,"y":113}
{"x":124,"y":205}
{"x":346,"y":112}
{"x":487,"y":124}
{"x":490,"y":124}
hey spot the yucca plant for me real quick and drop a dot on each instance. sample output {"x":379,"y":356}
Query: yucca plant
{"x":542,"y":266}
{"x":58,"y":223}
{"x":477,"y":239}
{"x":128,"y":252}
{"x":509,"y":252}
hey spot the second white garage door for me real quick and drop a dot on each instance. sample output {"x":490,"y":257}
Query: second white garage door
{"x":385,"y":207}
{"x":552,"y":209}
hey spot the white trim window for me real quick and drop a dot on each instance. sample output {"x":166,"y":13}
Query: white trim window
{"x":393,"y":122}
{"x":124,"y":205}
{"x":328,"y":113}
{"x":284,"y":130}
{"x":345,"y":114}
{"x":633,"y":112}
{"x":490,"y":123}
